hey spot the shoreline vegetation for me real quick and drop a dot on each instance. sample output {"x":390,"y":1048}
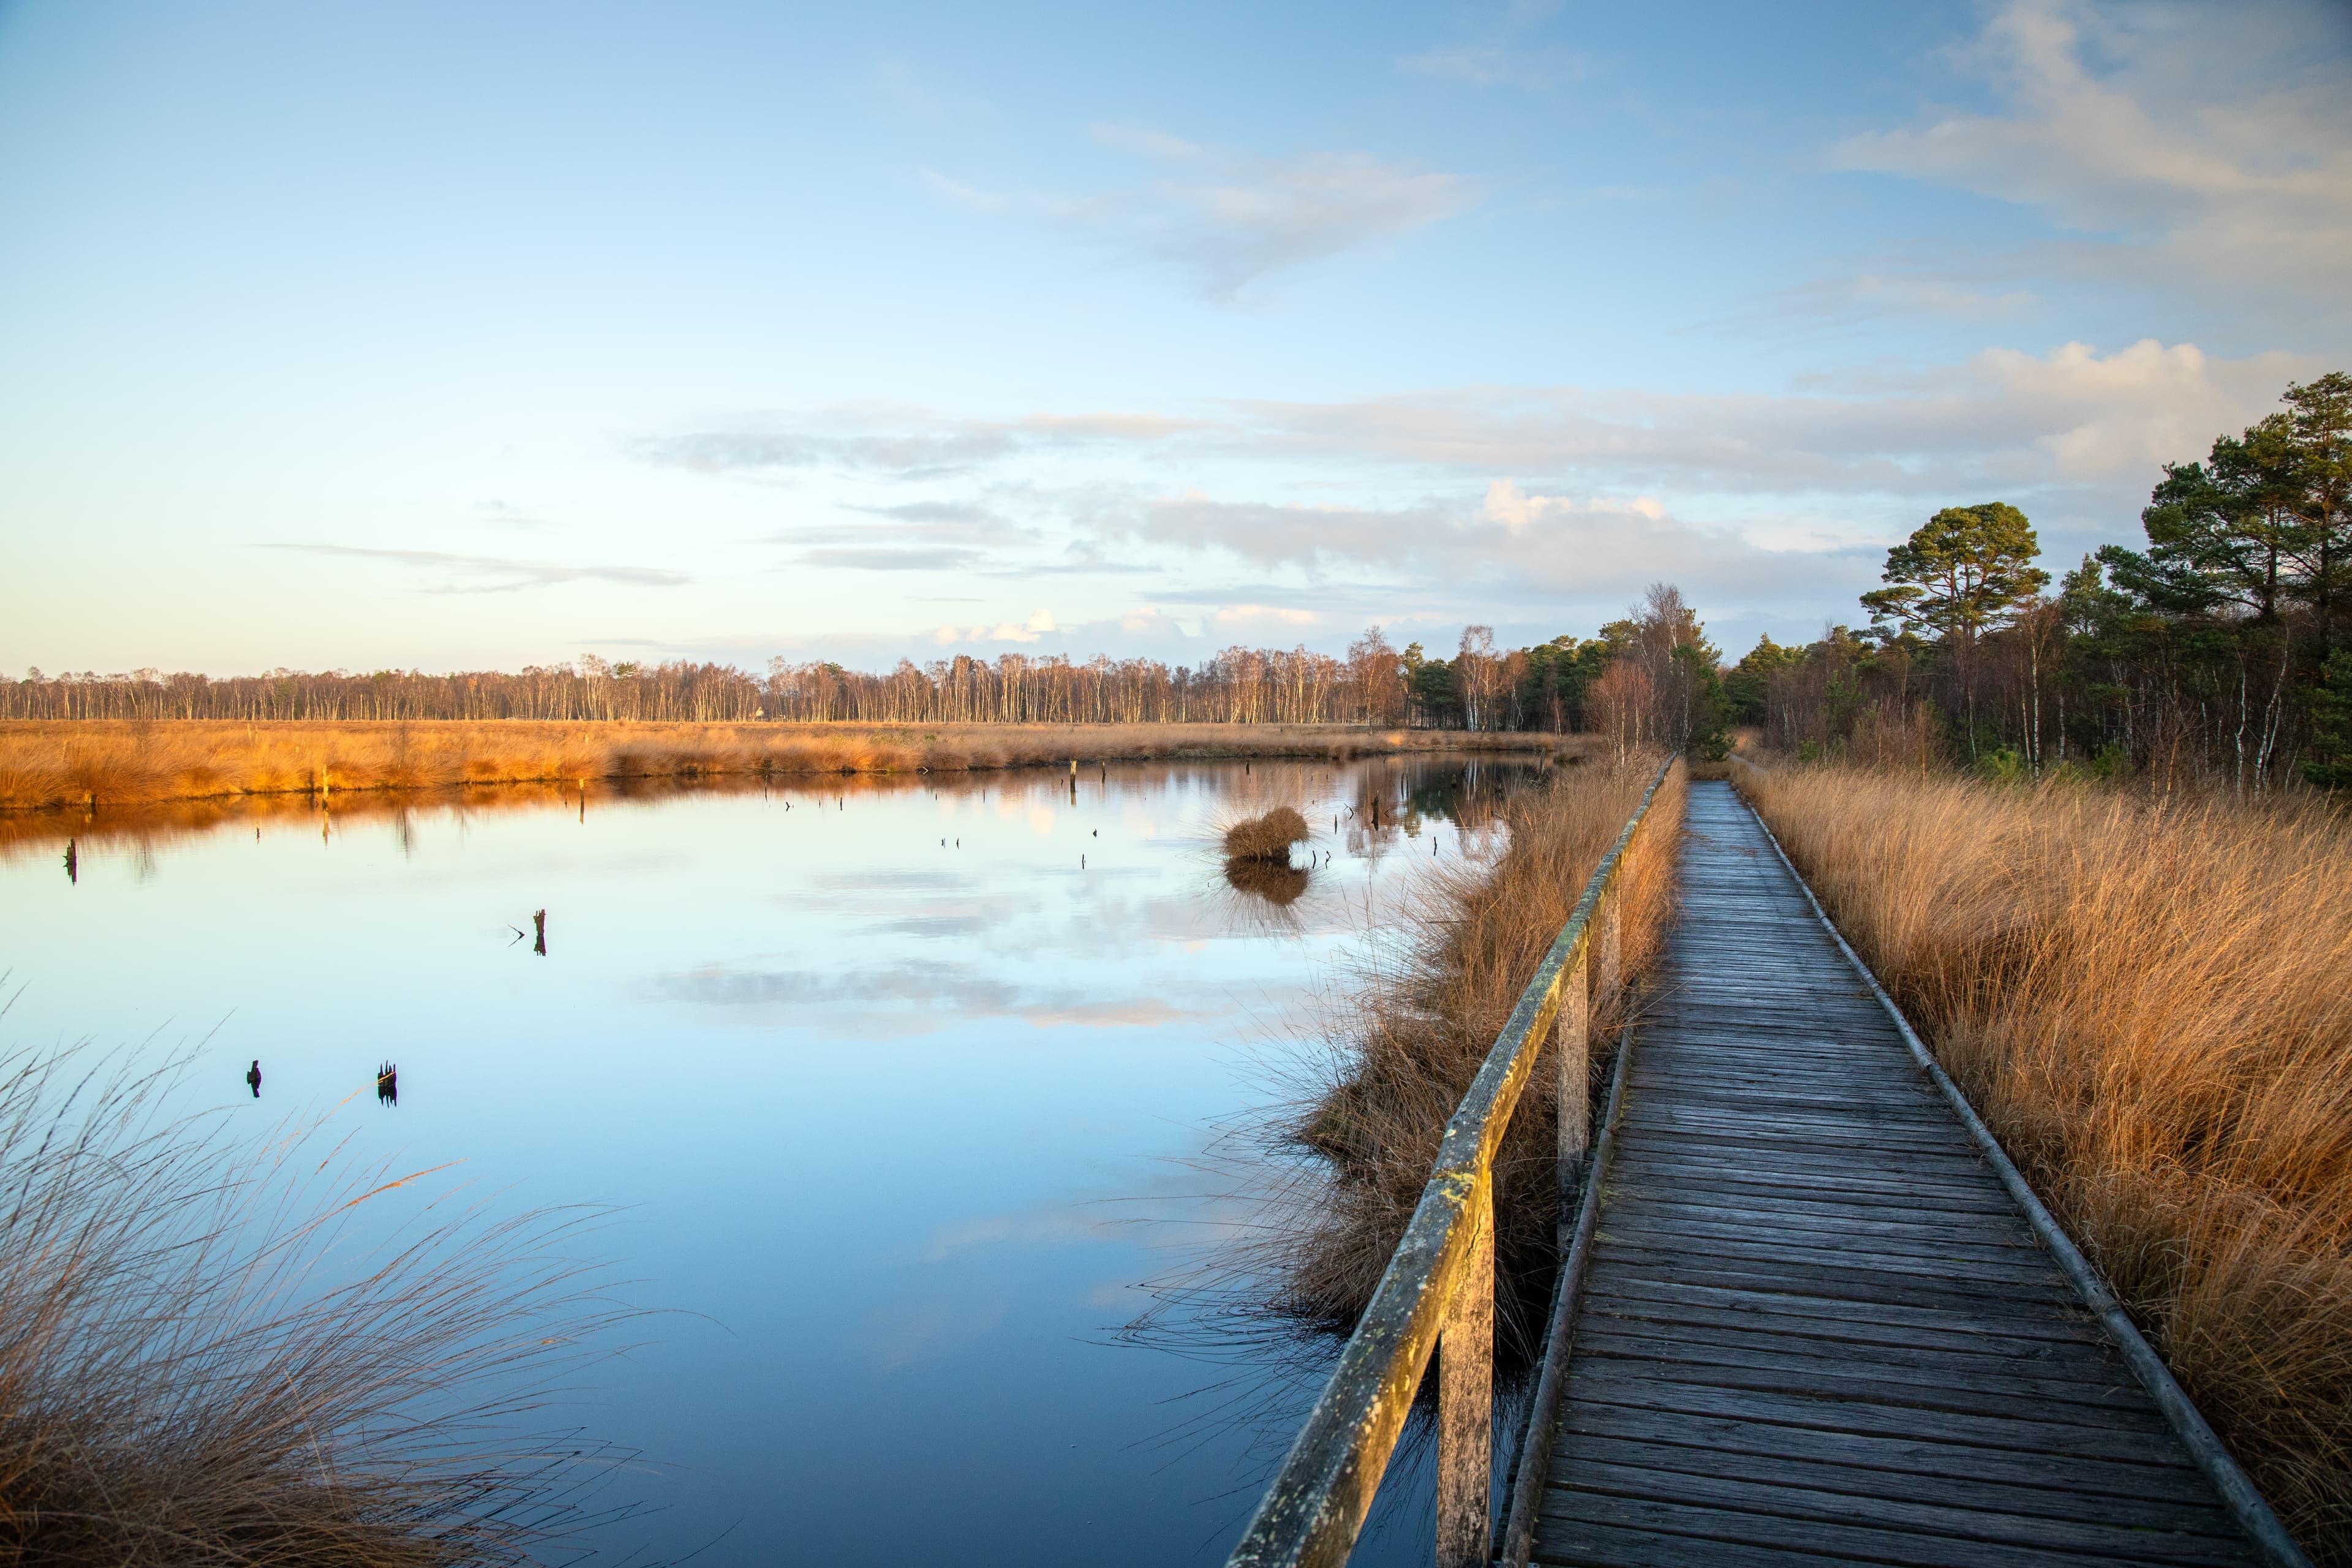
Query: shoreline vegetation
{"x":95,"y":765}
{"x":1340,"y":1167}
{"x":215,"y":1353}
{"x":2149,"y":1000}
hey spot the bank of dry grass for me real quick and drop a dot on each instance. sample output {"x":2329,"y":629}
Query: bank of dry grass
{"x":2151,"y":1004}
{"x":1409,"y":1035}
{"x":52,"y":764}
{"x":200,"y":1363}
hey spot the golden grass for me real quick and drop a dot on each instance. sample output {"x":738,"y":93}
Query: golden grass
{"x":1410,"y":1036}
{"x":1267,"y":837}
{"x":52,"y":764}
{"x":199,"y":1363}
{"x":2151,"y":1004}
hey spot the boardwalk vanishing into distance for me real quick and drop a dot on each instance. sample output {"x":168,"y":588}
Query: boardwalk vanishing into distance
{"x":1810,"y":1314}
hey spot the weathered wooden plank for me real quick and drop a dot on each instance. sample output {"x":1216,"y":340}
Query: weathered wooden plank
{"x":1866,"y":1419}
{"x":1861,"y":1195}
{"x":1873,"y":1483}
{"x":1974,"y":1318}
{"x":1612,"y":1365}
{"x":1936,"y":1369}
{"x":2099,"y":1488}
{"x":1882,"y":1283}
{"x":1889,"y":1345}
{"x":1773,"y":1209}
{"x":1816,"y":1235}
{"x":1891,"y":1530}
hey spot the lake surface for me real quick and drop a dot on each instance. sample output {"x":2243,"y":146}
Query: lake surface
{"x":899,"y":1099}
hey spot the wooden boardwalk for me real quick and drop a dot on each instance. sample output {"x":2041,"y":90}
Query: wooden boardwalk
{"x":1814,"y":1326}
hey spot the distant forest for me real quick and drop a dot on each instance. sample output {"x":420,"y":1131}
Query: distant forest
{"x":2220,"y":651}
{"x":1548,"y":687}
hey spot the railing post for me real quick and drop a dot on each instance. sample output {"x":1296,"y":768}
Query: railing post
{"x":1612,"y":945}
{"x":1465,"y":1399}
{"x":1575,"y":1070}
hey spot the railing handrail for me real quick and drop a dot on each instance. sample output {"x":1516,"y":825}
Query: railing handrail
{"x":1316,"y":1504}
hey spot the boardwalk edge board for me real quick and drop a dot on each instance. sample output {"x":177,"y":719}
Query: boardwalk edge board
{"x":1533,"y":1465}
{"x":2239,"y":1493}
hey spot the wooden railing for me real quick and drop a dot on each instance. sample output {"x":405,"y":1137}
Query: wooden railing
{"x":1438,"y":1294}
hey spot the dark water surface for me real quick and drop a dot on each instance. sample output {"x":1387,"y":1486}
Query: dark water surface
{"x":897,"y":1127}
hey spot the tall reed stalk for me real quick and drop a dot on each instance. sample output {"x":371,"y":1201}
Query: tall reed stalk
{"x":2151,"y":1004}
{"x":203,"y":1361}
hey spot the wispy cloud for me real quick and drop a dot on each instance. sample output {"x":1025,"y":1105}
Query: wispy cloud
{"x":1228,"y":220}
{"x":1532,"y":69}
{"x":2073,"y":414}
{"x":885,"y":558}
{"x":2219,"y":136}
{"x":906,"y":444}
{"x":495,"y":573}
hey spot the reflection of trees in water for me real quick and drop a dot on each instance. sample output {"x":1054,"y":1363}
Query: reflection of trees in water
{"x":1393,"y":800}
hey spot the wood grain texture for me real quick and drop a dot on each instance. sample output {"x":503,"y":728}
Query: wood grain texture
{"x":1815,"y":1327}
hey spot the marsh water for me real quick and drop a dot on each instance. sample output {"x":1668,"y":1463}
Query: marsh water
{"x":909,"y":1095}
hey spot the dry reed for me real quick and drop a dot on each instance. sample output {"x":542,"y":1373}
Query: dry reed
{"x":2151,"y":1004}
{"x":1408,"y":1038}
{"x":1267,"y":837}
{"x":49,"y":765}
{"x":200,"y":1362}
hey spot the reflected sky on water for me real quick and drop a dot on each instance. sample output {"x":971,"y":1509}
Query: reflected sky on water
{"x":895,"y":1094}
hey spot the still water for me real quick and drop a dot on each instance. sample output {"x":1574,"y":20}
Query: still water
{"x":901,"y":1088}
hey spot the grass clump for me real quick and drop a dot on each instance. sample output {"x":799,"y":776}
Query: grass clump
{"x":2150,"y":1001}
{"x":202,"y":1361}
{"x":1267,"y":838}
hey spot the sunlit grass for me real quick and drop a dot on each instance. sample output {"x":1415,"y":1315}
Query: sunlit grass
{"x":2151,"y":1004}
{"x":202,"y":1361}
{"x":113,"y":765}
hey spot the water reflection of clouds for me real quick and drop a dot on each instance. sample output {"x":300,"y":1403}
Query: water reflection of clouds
{"x":897,"y":1335}
{"x":920,"y":989}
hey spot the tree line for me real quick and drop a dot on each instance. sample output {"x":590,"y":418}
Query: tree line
{"x":1562,"y":685}
{"x":2219,"y":651}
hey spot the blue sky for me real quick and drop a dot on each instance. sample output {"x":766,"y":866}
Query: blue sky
{"x":465,"y":335}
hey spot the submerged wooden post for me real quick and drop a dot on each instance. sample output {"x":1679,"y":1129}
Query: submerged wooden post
{"x":1575,"y":1071}
{"x":1465,"y":1398}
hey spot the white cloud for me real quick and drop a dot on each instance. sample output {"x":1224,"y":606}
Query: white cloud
{"x":462,"y":574}
{"x":903,"y":443}
{"x":1495,"y":65}
{"x":1040,"y":624}
{"x":1517,"y":511}
{"x":1229,"y":218}
{"x":2218,"y":136}
{"x":2002,"y":418}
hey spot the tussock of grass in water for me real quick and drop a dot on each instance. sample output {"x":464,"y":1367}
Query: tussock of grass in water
{"x":189,"y":1375}
{"x":1278,"y":882}
{"x":2151,"y":1004}
{"x":1409,"y":1034}
{"x":1267,"y":837}
{"x":117,"y":763}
